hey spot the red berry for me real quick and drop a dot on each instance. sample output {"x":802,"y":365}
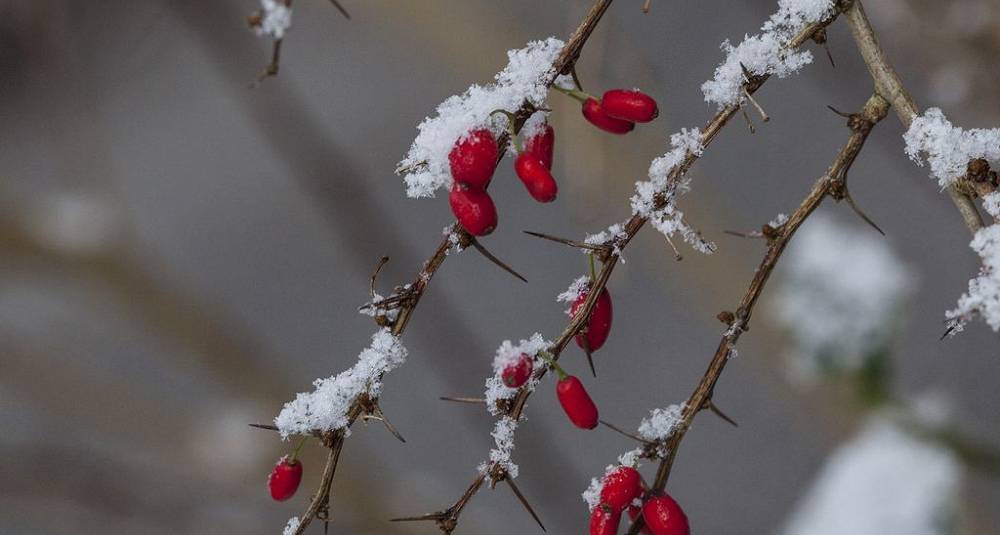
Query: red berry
{"x":474,"y":158}
{"x":599,"y":324}
{"x":633,"y":512}
{"x":474,"y":209}
{"x":594,"y":112}
{"x":517,"y":373}
{"x":630,"y":105}
{"x":536,"y":177}
{"x":542,"y":145}
{"x":665,"y":517}
{"x":284,"y":479}
{"x":604,"y":520}
{"x":576,"y":402}
{"x":620,"y":487}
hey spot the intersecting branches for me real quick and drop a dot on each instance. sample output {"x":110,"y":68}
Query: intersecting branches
{"x":832,"y":185}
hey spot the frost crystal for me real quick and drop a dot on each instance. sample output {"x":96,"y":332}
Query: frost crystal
{"x":503,"y":436}
{"x":614,"y":234}
{"x":276,"y":19}
{"x":766,"y":53}
{"x":885,"y":480}
{"x":991,"y":203}
{"x":983,"y":297}
{"x":593,"y":493}
{"x":326,"y":407}
{"x":506,"y":354}
{"x":948,"y":148}
{"x":454,"y":240}
{"x":778,"y":221}
{"x":525,"y":78}
{"x":839,"y":293}
{"x":291,"y":526}
{"x":661,"y":423}
{"x":576,"y":288}
{"x":667,"y":182}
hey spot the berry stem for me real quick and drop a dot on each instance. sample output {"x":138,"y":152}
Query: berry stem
{"x":547,"y":357}
{"x":511,"y":128}
{"x":295,"y":452}
{"x":575,"y":93}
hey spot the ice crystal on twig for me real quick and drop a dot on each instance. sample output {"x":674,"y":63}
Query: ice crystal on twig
{"x":275,"y":19}
{"x":948,"y":148}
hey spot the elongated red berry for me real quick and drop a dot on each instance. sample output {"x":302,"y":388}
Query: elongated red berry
{"x":664,"y":516}
{"x":536,"y":177}
{"x":285,"y":478}
{"x":576,"y":402}
{"x":542,"y":145}
{"x":474,"y":209}
{"x":630,"y":105}
{"x":620,"y":487}
{"x":604,"y":520}
{"x":594,"y":112}
{"x":633,"y":512}
{"x":517,"y":373}
{"x":473,"y":158}
{"x":599,"y":324}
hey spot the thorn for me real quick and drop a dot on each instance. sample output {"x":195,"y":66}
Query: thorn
{"x":718,"y":412}
{"x":857,"y":210}
{"x":388,"y":424}
{"x":479,"y":401}
{"x":340,"y":8}
{"x":626,"y":433}
{"x":429,"y":516}
{"x":264,"y":426}
{"x":564,"y":241}
{"x":951,"y":328}
{"x":524,"y":501}
{"x":829,"y":55}
{"x":378,"y":267}
{"x":748,"y":235}
{"x":645,"y":6}
{"x":590,"y":361}
{"x":677,"y":254}
{"x":747,"y":119}
{"x":747,"y":75}
{"x":838,"y":112}
{"x":763,"y":115}
{"x":489,"y":256}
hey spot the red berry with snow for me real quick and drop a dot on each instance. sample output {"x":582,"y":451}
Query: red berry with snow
{"x":474,"y":209}
{"x":474,"y":158}
{"x":630,"y":105}
{"x":599,"y":325}
{"x":542,"y":144}
{"x":517,"y":373}
{"x":664,"y":516}
{"x":285,"y":478}
{"x":633,"y":513}
{"x":604,"y":520}
{"x":536,"y":177}
{"x":620,"y":487}
{"x":576,"y":402}
{"x":594,"y":112}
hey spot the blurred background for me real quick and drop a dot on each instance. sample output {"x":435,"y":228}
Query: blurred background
{"x":180,"y":254}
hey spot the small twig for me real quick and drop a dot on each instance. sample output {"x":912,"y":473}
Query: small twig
{"x":340,"y":8}
{"x":388,"y":425}
{"x":378,"y":267}
{"x":760,"y":109}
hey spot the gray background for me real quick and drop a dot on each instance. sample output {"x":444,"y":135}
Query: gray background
{"x":179,"y":254}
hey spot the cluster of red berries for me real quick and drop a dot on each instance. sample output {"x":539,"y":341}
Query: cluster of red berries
{"x":473,"y":158}
{"x":472,"y":161}
{"x":285,"y":478}
{"x":619,"y":490}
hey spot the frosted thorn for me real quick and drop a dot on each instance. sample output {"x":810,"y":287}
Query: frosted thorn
{"x":378,"y":267}
{"x":862,"y":215}
{"x":479,"y":401}
{"x":489,"y":256}
{"x":763,"y":115}
{"x":626,"y":433}
{"x":264,"y":427}
{"x":524,"y":501}
{"x":645,"y":6}
{"x":951,"y":328}
{"x":564,"y":241}
{"x":710,"y":405}
{"x":340,"y":8}
{"x":379,"y":415}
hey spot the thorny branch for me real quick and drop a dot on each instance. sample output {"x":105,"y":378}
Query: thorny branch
{"x":829,"y":185}
{"x":334,"y":440}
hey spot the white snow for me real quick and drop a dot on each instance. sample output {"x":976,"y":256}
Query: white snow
{"x":614,"y":234}
{"x":991,"y":203}
{"x":326,"y":407}
{"x":506,"y":354}
{"x":839,"y":292}
{"x":948,"y":148}
{"x":883,"y":481}
{"x":525,"y":78}
{"x":276,"y":19}
{"x":291,"y":526}
{"x":766,"y":53}
{"x":592,"y":496}
{"x":982,"y":299}
{"x":661,"y":423}
{"x":503,"y":436}
{"x":668,"y":219}
{"x":778,"y":221}
{"x":576,"y":288}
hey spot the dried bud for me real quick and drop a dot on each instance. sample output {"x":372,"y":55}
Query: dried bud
{"x":978,"y":170}
{"x":819,"y":37}
{"x":726,"y":317}
{"x":254,"y":19}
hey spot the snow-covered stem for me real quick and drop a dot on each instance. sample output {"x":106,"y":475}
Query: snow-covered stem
{"x":827,"y":185}
{"x":334,"y":440}
{"x":889,"y":85}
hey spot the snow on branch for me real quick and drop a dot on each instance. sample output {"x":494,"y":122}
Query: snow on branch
{"x":524,"y":79}
{"x":949,"y":148}
{"x":983,"y":296}
{"x":507,"y":354}
{"x":327,"y":406}
{"x":275,"y":19}
{"x":766,"y":53}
